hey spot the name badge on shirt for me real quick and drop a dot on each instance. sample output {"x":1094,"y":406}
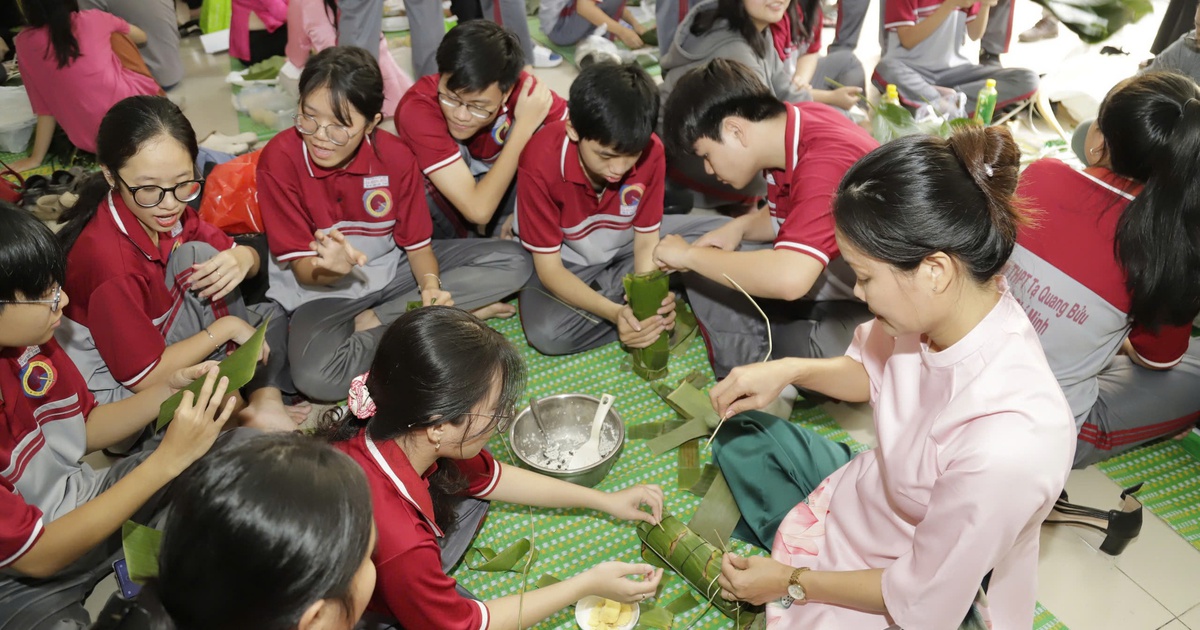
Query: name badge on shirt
{"x":30,"y":352}
{"x":380,"y":181}
{"x":771,"y":179}
{"x":631,"y":196}
{"x":176,"y":230}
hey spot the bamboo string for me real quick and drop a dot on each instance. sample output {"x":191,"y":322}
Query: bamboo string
{"x":770,"y":349}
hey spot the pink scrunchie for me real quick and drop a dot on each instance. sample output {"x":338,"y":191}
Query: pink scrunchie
{"x":359,"y":401}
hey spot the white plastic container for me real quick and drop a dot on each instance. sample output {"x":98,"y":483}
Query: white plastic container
{"x":17,"y":119}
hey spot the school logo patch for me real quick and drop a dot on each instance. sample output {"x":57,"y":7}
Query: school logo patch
{"x":37,"y":378}
{"x":377,"y":202}
{"x":631,"y":196}
{"x":500,"y":129}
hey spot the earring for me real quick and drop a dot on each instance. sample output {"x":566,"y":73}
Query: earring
{"x":438,"y":446}
{"x":1094,"y":150}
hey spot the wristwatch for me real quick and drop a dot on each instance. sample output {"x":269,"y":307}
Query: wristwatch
{"x":795,"y":591}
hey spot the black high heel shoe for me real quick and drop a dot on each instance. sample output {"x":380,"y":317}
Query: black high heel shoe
{"x":1121,"y":526}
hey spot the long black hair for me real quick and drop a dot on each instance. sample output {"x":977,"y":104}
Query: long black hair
{"x":257,"y":533}
{"x":434,"y":365}
{"x":55,"y":15}
{"x":1151,"y":129}
{"x":920,"y":195}
{"x":125,"y":129}
{"x":352,"y":77}
{"x":31,"y":259}
{"x":734,"y":12}
{"x":331,"y":8}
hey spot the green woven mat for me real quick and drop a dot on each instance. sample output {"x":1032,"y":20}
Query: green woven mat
{"x":1172,"y":484}
{"x":570,"y":541}
{"x":568,"y":52}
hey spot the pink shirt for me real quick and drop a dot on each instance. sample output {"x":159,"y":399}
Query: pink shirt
{"x":96,"y":78}
{"x":273,"y":13}
{"x":311,"y":30}
{"x":975,"y":443}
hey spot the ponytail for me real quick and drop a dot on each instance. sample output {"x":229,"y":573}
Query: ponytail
{"x":1151,"y":129}
{"x":55,"y":16}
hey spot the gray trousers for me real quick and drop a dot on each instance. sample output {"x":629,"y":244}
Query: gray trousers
{"x":998,"y":34}
{"x":554,"y":329}
{"x":325,"y":351}
{"x":571,"y":28}
{"x":667,"y":16}
{"x":427,"y":27}
{"x":1137,"y":405}
{"x":56,"y":603}
{"x":737,"y":335}
{"x":916,"y":85}
{"x":361,"y":21}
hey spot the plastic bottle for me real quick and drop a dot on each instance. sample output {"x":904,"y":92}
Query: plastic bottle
{"x":892,"y":95}
{"x":985,"y":105}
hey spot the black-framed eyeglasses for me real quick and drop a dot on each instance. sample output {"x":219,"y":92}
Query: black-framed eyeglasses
{"x":453,"y":102}
{"x":54,"y":302}
{"x":151,"y":196}
{"x":309,"y":126}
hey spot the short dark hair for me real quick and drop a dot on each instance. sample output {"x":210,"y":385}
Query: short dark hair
{"x":31,"y":258}
{"x":706,"y":95}
{"x":919,"y":195}
{"x":476,"y":54}
{"x":616,"y":105}
{"x":353,"y":78}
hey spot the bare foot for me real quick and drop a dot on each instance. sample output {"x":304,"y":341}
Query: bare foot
{"x":266,"y":412}
{"x":299,"y":412}
{"x":498,"y":310}
{"x":366,"y":320}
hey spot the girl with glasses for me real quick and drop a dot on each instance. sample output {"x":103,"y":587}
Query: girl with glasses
{"x":154,"y":288}
{"x":349,"y":231}
{"x":442,"y":384}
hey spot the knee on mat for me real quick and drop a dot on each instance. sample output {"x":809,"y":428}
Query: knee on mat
{"x":544,"y":339}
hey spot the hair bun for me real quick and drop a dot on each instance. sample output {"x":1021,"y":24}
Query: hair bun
{"x":992,"y":158}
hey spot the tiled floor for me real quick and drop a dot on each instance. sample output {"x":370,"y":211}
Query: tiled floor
{"x":1156,"y":582}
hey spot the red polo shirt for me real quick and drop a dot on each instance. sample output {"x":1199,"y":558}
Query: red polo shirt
{"x":422,"y":126}
{"x":822,"y":145}
{"x":121,"y":308}
{"x":376,"y":201}
{"x":557,"y":204}
{"x":898,"y":13}
{"x":43,"y":405}
{"x":411,"y":585}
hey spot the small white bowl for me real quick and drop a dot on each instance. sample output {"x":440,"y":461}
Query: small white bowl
{"x":583,"y":610}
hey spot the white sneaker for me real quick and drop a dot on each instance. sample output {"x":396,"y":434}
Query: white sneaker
{"x":545,"y":58}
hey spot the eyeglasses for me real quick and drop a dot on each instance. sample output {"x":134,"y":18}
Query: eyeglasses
{"x":54,"y":302}
{"x":151,"y":196}
{"x":502,"y":420}
{"x":309,"y":126}
{"x":453,"y":102}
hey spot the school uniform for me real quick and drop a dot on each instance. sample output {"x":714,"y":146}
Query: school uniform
{"x":130,"y":299}
{"x":412,"y":551}
{"x":938,"y":59}
{"x":1072,"y":286}
{"x":44,"y":402}
{"x":376,"y":202}
{"x":559,"y":211}
{"x":822,"y":145}
{"x":565,"y":27}
{"x":425,"y":132}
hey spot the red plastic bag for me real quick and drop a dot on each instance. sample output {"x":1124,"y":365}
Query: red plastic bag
{"x":231,"y":196}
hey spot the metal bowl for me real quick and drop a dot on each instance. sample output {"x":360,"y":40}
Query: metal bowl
{"x":567,"y":419}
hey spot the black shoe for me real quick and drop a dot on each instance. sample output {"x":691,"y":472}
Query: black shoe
{"x":989,"y":59}
{"x":1121,"y":526}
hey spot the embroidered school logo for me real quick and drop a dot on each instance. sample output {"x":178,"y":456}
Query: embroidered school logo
{"x":500,"y":129}
{"x":377,"y":202}
{"x":37,"y":378}
{"x":631,"y":196}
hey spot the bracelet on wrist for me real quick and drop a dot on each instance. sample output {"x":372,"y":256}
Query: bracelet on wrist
{"x":214,"y":339}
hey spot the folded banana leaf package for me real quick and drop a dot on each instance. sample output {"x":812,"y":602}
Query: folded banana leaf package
{"x":646,"y":292}
{"x":1096,"y":20}
{"x":238,"y":367}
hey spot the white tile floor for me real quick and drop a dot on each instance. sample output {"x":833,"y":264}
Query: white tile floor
{"x":1155,"y":584}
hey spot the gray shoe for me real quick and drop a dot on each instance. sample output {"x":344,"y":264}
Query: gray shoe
{"x":1046,"y":28}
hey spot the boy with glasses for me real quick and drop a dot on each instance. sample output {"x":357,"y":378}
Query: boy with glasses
{"x":468,"y":124}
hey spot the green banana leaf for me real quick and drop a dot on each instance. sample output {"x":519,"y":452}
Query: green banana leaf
{"x":1096,"y":20}
{"x":646,"y":292}
{"x":238,"y":367}
{"x":141,"y":545}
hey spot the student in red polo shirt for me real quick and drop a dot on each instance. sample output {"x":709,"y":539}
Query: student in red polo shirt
{"x":441,"y":385}
{"x":468,"y":124}
{"x":58,"y":516}
{"x":722,"y":113}
{"x":156,"y":288}
{"x":350,"y":235}
{"x":1117,"y":328}
{"x":590,"y":209}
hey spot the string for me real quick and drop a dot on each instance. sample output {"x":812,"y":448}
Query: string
{"x":770,"y":349}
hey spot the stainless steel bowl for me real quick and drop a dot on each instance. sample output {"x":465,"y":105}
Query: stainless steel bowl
{"x":567,"y":419}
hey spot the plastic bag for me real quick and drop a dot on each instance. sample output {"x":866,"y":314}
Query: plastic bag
{"x":231,"y":196}
{"x":215,"y":15}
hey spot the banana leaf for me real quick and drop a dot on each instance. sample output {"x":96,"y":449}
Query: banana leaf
{"x":141,"y":545}
{"x":646,"y":292}
{"x":1096,"y":20}
{"x":238,"y":367}
{"x":511,"y":558}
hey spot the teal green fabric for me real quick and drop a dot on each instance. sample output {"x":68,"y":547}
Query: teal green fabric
{"x":772,"y":465}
